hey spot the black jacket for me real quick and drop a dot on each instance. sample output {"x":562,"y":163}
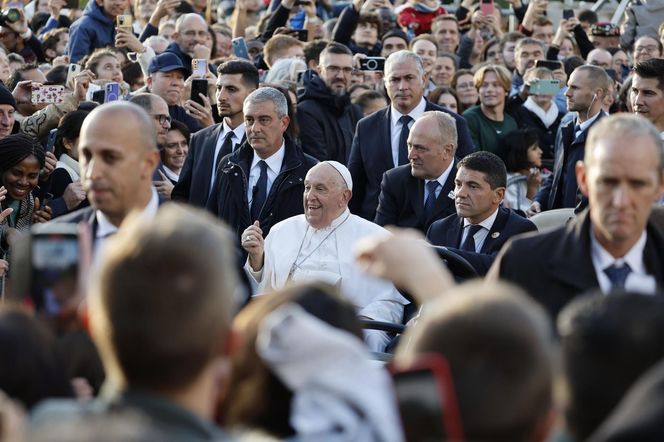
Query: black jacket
{"x":344,"y":29}
{"x":228,"y":199}
{"x":327,"y":121}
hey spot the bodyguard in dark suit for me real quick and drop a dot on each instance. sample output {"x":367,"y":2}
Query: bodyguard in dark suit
{"x":380,"y":139}
{"x":480,"y":227}
{"x":616,"y":243}
{"x":416,"y":194}
{"x":116,"y":167}
{"x":587,"y":87}
{"x":262,"y":181}
{"x":236,"y":79}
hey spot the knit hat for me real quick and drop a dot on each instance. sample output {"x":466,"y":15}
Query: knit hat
{"x":396,"y":33}
{"x":6,"y":96}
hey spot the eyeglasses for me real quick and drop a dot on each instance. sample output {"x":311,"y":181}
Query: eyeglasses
{"x":649,"y":49}
{"x":163,"y":119}
{"x":336,"y":69}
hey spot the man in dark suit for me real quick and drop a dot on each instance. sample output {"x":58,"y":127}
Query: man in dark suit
{"x":480,"y":227}
{"x":616,"y":243}
{"x":416,"y":194}
{"x":236,"y":79}
{"x":116,"y":168}
{"x":262,"y":182}
{"x":587,"y":87}
{"x":380,"y":139}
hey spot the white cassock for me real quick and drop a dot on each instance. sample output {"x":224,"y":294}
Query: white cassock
{"x":327,"y":255}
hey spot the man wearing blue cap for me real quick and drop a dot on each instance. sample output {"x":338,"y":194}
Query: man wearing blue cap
{"x":166,"y":75}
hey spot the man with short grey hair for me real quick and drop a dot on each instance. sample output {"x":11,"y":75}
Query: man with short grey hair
{"x":418,"y":193}
{"x":261,"y":182}
{"x":380,"y":141}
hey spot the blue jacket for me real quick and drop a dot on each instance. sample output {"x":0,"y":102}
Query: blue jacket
{"x":93,"y":30}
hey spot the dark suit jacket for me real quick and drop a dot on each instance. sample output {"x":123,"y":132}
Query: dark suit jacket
{"x":401,"y":200}
{"x":228,"y":199}
{"x":371,"y":156}
{"x":449,"y":231}
{"x":555,"y":193}
{"x":556,"y":266}
{"x":194,"y":183}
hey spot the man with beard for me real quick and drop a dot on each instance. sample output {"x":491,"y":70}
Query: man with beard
{"x":236,"y":79}
{"x":325,"y":114}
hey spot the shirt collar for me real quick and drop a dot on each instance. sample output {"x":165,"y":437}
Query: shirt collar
{"x":487,"y":223}
{"x":337,"y":221}
{"x":586,"y":124}
{"x":238,"y":132}
{"x":442,"y":179}
{"x":106,"y":228}
{"x":634,"y":257}
{"x":274,"y":161}
{"x":414,"y":114}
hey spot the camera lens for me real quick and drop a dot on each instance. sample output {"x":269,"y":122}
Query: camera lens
{"x":372,"y":65}
{"x":12,"y":15}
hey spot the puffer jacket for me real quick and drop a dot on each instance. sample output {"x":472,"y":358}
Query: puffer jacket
{"x":93,"y":30}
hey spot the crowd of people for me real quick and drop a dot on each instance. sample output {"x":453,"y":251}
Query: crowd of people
{"x":246,"y":220}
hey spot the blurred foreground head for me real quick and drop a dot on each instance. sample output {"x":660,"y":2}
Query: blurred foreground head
{"x":498,"y":344}
{"x":162,"y":305}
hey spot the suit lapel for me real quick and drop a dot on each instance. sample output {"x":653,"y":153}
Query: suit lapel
{"x":570,"y":260}
{"x":203,"y":172}
{"x":496,"y":230}
{"x":416,"y":191}
{"x":385,"y":140}
{"x":455,"y":233}
{"x":443,"y":202}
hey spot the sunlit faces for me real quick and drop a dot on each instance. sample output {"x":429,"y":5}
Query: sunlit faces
{"x":427,"y":52}
{"x":393,"y":44}
{"x":175,"y":150}
{"x":108,"y":68}
{"x":449,"y":102}
{"x":466,"y":91}
{"x":621,"y":185}
{"x":429,"y":156}
{"x":474,"y":198}
{"x":264,"y":127}
{"x":7,"y":119}
{"x":22,"y":178}
{"x":443,"y":71}
{"x":446,"y":33}
{"x":405,"y":86}
{"x":491,"y":91}
{"x":168,"y":85}
{"x":231,"y":92}
{"x":336,"y":70}
{"x":648,"y":100}
{"x":526,"y":55}
{"x":325,"y":196}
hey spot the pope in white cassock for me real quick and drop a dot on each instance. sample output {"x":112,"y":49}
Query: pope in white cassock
{"x":318,"y":246}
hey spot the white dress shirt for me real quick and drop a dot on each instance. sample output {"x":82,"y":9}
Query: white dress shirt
{"x":638,"y":279}
{"x":585,"y":125}
{"x":395,"y":126}
{"x":442,"y":179}
{"x":481,"y":234}
{"x":106,"y":229}
{"x":238,"y":134}
{"x":274,"y":163}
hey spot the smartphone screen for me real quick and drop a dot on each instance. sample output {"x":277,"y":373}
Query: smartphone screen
{"x":549,"y":64}
{"x":426,"y":400}
{"x":420,"y":405}
{"x":486,"y":7}
{"x":568,"y":13}
{"x":544,"y":87}
{"x":55,"y":267}
{"x":50,"y":143}
{"x":240,"y":48}
{"x":198,"y":86}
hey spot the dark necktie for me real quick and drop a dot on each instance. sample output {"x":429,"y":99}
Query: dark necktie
{"x":226,"y":148}
{"x":403,"y":139}
{"x":618,"y":275}
{"x":259,"y":192}
{"x":432,"y":186}
{"x":577,"y":130}
{"x":469,"y":244}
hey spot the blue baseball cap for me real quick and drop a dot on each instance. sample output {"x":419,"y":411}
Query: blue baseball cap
{"x":166,"y":62}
